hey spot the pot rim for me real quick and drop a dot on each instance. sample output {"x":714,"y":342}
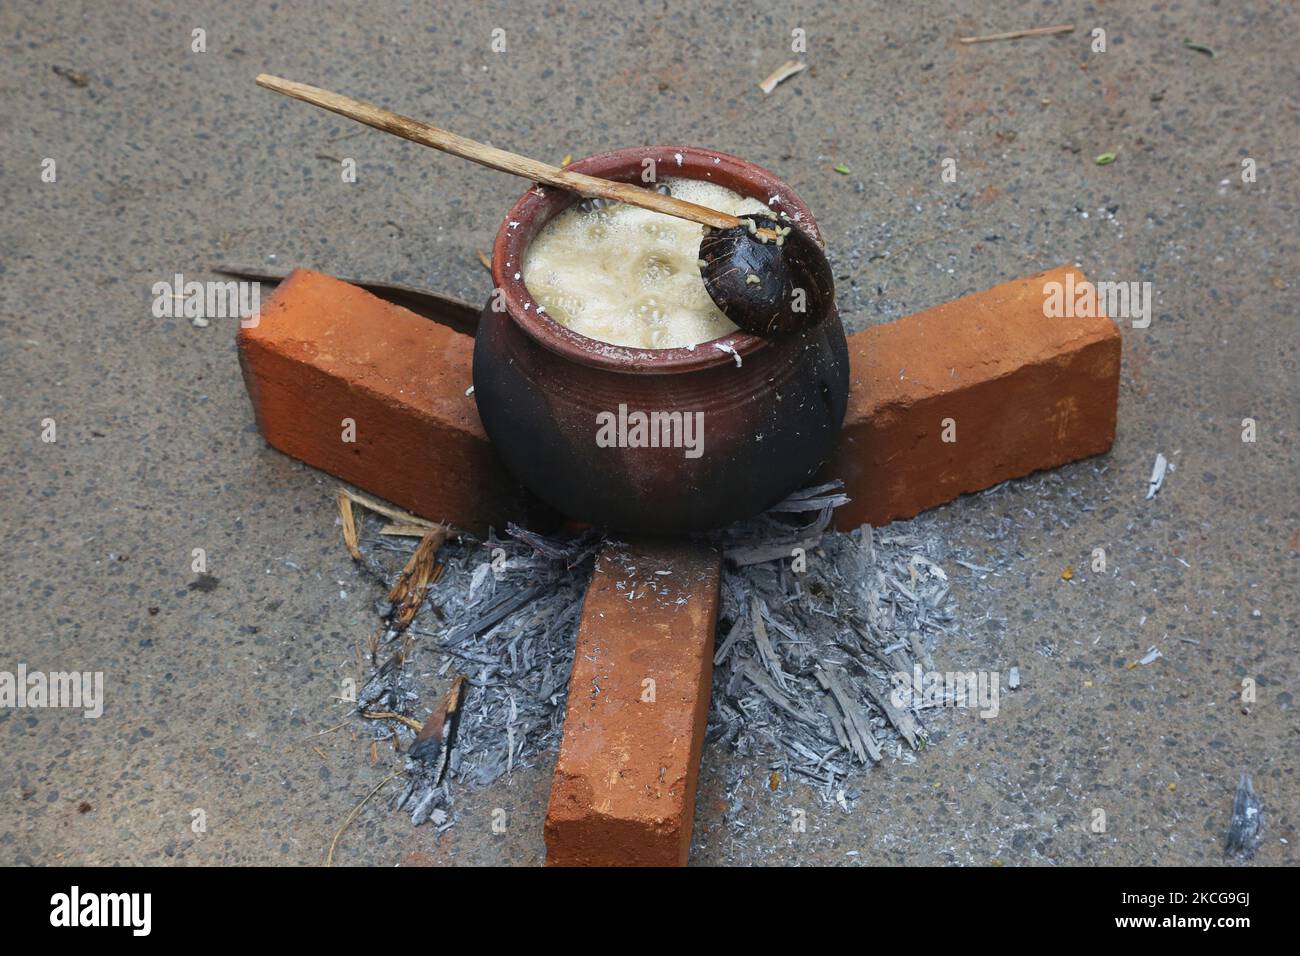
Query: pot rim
{"x":536,"y":207}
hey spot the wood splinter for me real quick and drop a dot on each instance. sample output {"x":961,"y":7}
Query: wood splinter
{"x":1017,"y":34}
{"x":782,"y":73}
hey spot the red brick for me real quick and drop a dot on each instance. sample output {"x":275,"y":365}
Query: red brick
{"x":325,"y":350}
{"x":624,"y":788}
{"x":1026,"y":392}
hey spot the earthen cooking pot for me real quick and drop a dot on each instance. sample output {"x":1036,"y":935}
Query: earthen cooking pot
{"x":544,"y":391}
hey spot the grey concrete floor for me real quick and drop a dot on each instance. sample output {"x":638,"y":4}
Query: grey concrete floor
{"x":172,"y":161}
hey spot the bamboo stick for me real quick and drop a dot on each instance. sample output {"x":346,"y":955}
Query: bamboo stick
{"x":494,"y":158}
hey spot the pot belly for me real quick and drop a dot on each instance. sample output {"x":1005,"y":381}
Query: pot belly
{"x":661,"y":453}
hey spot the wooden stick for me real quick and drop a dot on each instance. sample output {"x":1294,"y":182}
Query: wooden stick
{"x":388,"y":511}
{"x":270,"y":273}
{"x":494,"y":158}
{"x":444,"y":309}
{"x":1017,"y":34}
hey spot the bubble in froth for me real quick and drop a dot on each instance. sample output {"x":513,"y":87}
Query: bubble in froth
{"x":655,"y":269}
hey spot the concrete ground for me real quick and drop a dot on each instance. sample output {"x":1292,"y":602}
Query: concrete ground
{"x":171,"y":161}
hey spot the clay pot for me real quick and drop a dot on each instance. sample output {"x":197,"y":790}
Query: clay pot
{"x":544,"y":392}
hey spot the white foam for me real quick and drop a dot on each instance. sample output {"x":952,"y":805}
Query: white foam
{"x":628,"y":276}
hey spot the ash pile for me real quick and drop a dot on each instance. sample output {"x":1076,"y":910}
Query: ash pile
{"x":498,"y":618}
{"x":813,"y":624}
